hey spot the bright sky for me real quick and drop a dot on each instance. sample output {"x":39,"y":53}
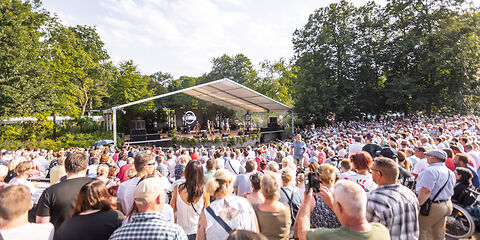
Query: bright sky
{"x":182,"y":36}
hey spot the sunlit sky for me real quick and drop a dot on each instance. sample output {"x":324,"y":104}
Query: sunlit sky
{"x":182,"y":36}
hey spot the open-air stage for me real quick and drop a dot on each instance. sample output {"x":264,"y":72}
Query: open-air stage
{"x":223,"y":92}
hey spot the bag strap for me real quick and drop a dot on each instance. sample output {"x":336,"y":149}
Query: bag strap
{"x":229,"y":163}
{"x":290,"y":203}
{"x":219,"y":220}
{"x":439,"y":191}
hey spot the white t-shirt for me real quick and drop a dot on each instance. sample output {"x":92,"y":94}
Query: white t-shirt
{"x":366,"y":181}
{"x":420,"y":166}
{"x":347,"y":174}
{"x":245,"y":219}
{"x":125,"y":194}
{"x":29,"y":231}
{"x":354,"y":148}
{"x":21,"y":181}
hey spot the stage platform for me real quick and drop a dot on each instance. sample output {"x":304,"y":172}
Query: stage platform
{"x":165,"y":140}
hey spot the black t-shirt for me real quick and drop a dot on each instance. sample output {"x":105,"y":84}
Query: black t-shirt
{"x":99,"y":225}
{"x":372,"y":149}
{"x":58,"y":201}
{"x":405,"y":177}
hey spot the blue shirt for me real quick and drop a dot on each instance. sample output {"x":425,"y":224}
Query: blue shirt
{"x":299,"y":149}
{"x":475,"y":180}
{"x":434,"y":177}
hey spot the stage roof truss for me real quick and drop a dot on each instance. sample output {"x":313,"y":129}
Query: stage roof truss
{"x":227,"y":93}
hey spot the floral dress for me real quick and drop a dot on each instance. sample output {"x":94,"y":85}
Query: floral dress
{"x":323,"y":216}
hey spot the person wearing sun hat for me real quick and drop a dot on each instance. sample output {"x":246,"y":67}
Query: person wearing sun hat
{"x":147,"y":222}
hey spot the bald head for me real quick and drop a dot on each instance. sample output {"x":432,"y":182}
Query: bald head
{"x":351,"y":197}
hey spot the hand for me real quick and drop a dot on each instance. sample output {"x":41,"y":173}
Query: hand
{"x":327,"y":196}
{"x":309,"y":200}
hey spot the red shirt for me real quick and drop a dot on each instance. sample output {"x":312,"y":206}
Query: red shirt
{"x":449,"y":164}
{"x":122,"y":173}
{"x":194,"y":156}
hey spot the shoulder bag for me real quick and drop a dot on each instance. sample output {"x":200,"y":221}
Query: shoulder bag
{"x":425,"y":208}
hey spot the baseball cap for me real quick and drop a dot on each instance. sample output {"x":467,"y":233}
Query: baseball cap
{"x":440,"y":154}
{"x":389,"y":152}
{"x":148,"y":189}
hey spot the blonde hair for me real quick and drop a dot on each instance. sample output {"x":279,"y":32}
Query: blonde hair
{"x":23,"y":167}
{"x":287,"y":175}
{"x":272,"y":166}
{"x":270,"y":185}
{"x":328,"y":173}
{"x":13,"y":164}
{"x":102,"y":169}
{"x":217,"y":183}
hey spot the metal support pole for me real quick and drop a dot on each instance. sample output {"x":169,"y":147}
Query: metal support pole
{"x":293,"y":124}
{"x":114,"y":118}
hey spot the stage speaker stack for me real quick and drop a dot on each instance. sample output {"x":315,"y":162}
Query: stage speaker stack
{"x":138,"y":131}
{"x":204,"y":135}
{"x":225,"y":135}
{"x":240,"y":133}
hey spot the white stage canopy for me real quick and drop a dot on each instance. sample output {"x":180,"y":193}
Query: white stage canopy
{"x":227,"y":93}
{"x":223,"y":92}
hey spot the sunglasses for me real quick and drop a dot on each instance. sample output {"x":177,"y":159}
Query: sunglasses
{"x":151,"y":164}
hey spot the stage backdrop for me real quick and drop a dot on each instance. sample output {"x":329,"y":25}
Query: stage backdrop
{"x":188,"y":117}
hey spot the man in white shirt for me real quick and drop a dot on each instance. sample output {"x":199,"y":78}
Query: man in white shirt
{"x":356,"y":146}
{"x":242,"y":183}
{"x":15,"y":201}
{"x":473,"y":153}
{"x":232,"y":164}
{"x":422,"y":164}
{"x":144,"y":164}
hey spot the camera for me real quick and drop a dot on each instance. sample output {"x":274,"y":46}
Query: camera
{"x":313,"y":181}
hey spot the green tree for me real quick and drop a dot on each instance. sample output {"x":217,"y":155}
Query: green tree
{"x":76,"y":55}
{"x":24,"y":85}
{"x":238,"y":68}
{"x":277,"y":80}
{"x":130,"y":86}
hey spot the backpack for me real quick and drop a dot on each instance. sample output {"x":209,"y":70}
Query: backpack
{"x":293,"y":207}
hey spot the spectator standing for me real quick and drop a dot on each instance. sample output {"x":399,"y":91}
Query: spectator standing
{"x":189,"y":199}
{"x":23,"y":170}
{"x":392,"y":204}
{"x":92,"y":217}
{"x":322,"y":215}
{"x":236,"y":212}
{"x":58,"y":171}
{"x":122,"y":173}
{"x":274,"y":219}
{"x":242,"y":183}
{"x":210,"y":165}
{"x":348,"y":201}
{"x":145,"y":164}
{"x":422,"y":163}
{"x":299,"y":148}
{"x":147,"y":223}
{"x":15,"y":201}
{"x":436,"y":181}
{"x":355,"y":147}
{"x":57,"y":201}
{"x":256,"y":196}
{"x":362,"y":162}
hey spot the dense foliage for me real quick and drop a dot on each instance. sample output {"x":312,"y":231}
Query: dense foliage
{"x":405,"y":56}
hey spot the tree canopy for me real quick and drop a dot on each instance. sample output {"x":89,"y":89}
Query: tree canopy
{"x":405,"y":56}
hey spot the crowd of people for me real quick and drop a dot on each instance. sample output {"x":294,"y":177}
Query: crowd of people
{"x":390,"y":177}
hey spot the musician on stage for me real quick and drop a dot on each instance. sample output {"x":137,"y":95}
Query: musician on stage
{"x":210,"y":128}
{"x":227,"y":126}
{"x":197,"y":128}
